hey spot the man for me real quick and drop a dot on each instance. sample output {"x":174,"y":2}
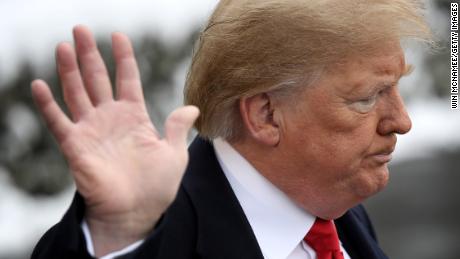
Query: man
{"x":299,"y":114}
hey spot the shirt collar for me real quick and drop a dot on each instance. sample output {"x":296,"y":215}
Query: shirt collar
{"x":278,"y":223}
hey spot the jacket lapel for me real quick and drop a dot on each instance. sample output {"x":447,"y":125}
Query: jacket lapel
{"x":357,"y":237}
{"x":223,"y":229}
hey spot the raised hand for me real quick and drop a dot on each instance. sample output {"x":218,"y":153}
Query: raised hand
{"x":126,"y":173}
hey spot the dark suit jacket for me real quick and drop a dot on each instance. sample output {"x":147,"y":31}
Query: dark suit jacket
{"x":205,"y":221}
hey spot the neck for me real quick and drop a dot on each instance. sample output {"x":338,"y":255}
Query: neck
{"x":299,"y":186}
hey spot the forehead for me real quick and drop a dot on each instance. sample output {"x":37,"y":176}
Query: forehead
{"x":384,"y":67}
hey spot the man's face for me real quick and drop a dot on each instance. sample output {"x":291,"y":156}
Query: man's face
{"x":339,"y":138}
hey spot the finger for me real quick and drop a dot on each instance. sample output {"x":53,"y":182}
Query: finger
{"x":93,"y":69}
{"x":75,"y":94}
{"x":128,"y":81}
{"x":58,"y":123}
{"x":178,"y":124}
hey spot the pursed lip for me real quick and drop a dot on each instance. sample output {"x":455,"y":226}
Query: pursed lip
{"x":383,"y":156}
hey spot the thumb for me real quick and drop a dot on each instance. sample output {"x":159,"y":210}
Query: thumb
{"x":178,"y":124}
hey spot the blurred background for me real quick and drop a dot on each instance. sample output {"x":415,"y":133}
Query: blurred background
{"x":416,"y":216}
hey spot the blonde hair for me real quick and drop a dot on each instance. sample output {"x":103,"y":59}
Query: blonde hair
{"x":254,"y":46}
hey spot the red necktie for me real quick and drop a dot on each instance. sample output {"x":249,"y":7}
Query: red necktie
{"x":323,"y":238}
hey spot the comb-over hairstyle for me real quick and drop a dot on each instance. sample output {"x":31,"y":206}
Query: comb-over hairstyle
{"x":254,"y":46}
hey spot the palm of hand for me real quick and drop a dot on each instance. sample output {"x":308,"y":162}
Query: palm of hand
{"x":123,"y":169}
{"x":112,"y":152}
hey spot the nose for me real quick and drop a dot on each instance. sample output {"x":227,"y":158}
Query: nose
{"x":395,"y":118}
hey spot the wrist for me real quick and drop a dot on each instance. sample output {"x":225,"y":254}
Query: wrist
{"x":109,"y":235}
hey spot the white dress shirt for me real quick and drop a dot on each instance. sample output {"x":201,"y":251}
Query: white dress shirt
{"x":90,"y":247}
{"x":277,"y":222}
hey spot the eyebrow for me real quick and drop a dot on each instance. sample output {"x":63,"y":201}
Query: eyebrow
{"x":408,"y":69}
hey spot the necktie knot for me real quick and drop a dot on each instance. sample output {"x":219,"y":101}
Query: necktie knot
{"x":323,"y":238}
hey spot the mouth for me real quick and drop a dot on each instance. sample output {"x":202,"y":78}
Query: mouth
{"x":383,"y":156}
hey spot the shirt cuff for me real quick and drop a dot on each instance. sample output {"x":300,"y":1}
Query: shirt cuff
{"x":90,"y":247}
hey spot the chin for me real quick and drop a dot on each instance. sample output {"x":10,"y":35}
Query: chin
{"x":373,"y":183}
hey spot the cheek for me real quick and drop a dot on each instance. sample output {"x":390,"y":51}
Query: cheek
{"x":330,"y":159}
{"x":344,"y":151}
{"x":330,"y":140}
{"x":361,"y":176}
{"x":342,"y":160}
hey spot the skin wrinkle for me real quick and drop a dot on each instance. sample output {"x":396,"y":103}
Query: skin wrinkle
{"x":325,"y":159}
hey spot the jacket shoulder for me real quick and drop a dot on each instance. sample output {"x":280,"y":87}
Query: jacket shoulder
{"x":361,"y":214}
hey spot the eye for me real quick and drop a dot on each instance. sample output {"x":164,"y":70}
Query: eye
{"x":365,"y":105}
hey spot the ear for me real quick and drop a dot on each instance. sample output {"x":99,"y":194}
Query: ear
{"x":257,"y":113}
